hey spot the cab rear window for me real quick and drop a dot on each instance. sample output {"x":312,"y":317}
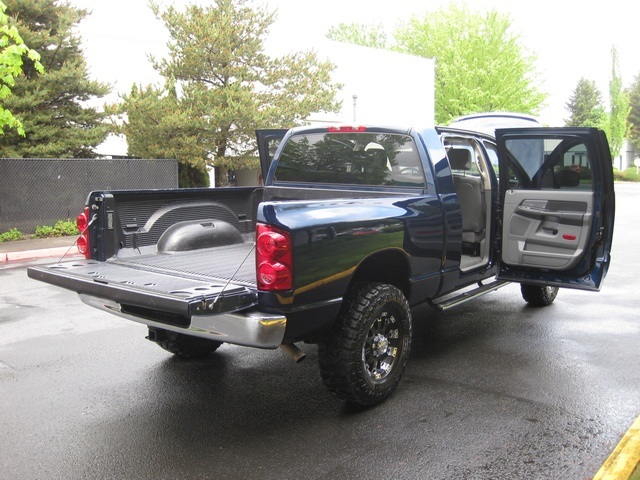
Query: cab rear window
{"x":352,"y":158}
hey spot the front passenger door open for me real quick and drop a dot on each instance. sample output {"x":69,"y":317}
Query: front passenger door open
{"x":556,"y":189}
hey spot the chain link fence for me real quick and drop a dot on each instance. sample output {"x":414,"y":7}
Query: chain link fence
{"x":36,"y":191}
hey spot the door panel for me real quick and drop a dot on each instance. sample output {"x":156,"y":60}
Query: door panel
{"x":543,"y":230}
{"x":557,"y":201}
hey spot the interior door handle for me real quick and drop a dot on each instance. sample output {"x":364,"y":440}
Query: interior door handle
{"x":531,"y":212}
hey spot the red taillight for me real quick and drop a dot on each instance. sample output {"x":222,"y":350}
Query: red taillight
{"x":274,"y":276}
{"x":273,"y":258}
{"x":347,"y":129}
{"x":82,"y":222}
{"x":83,"y":245}
{"x":272,"y":244}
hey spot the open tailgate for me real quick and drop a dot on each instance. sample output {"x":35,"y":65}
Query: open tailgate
{"x":169,"y":296}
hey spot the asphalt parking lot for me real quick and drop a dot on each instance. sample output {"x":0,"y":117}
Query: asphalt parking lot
{"x":494,"y":389}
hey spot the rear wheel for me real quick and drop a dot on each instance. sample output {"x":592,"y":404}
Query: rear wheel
{"x":185,"y":346}
{"x":363,"y":358}
{"x":538,"y":296}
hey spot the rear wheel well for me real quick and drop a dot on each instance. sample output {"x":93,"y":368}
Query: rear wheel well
{"x":390,"y":267}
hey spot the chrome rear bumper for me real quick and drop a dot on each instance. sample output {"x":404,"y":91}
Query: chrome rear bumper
{"x":248,"y":328}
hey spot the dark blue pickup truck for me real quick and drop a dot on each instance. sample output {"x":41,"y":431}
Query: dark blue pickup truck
{"x":353,"y":227}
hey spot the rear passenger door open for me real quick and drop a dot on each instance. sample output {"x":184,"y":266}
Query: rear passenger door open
{"x":268,"y":142}
{"x":557,"y":206}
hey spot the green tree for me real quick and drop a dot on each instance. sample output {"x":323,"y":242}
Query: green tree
{"x":220,"y":86}
{"x":633,"y":120}
{"x":12,"y":51}
{"x":53,"y":105}
{"x":585,"y":106}
{"x":480,"y":65}
{"x":359,"y":34}
{"x":158,"y":127}
{"x":618,"y":128}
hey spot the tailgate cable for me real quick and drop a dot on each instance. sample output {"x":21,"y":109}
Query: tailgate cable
{"x":215,"y":300}
{"x":93,"y":219}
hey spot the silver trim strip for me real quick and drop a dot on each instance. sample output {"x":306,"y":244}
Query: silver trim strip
{"x":251,"y":329}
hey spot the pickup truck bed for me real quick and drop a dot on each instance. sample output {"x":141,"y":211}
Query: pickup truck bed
{"x":229,"y":262}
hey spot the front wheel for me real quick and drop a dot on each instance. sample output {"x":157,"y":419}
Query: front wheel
{"x":537,"y":295}
{"x":363,"y":358}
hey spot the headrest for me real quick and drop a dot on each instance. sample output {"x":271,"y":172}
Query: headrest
{"x":459,"y":158}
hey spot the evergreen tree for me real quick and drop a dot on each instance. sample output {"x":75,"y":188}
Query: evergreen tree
{"x":157,"y":126}
{"x":220,"y":86}
{"x":585,"y":106}
{"x":52,"y":106}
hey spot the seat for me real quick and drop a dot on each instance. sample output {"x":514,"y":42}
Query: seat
{"x":470,"y":193}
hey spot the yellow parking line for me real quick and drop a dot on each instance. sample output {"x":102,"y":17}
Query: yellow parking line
{"x":625,"y":459}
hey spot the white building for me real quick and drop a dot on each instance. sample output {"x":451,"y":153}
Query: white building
{"x":626,"y":157}
{"x":379,"y":86}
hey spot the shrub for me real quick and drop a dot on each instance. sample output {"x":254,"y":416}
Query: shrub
{"x":618,"y":175}
{"x":13,"y":234}
{"x":44,"y":231}
{"x":192,"y":177}
{"x":60,"y":229}
{"x":628,"y":175}
{"x":66,"y":227}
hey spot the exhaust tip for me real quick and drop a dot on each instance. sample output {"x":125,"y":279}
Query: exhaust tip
{"x":293,"y":352}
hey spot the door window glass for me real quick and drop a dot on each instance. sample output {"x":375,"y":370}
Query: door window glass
{"x":548,"y":163}
{"x":492,"y":154}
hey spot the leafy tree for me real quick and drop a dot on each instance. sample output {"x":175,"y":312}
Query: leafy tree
{"x":57,"y":121}
{"x":480,"y":65}
{"x":359,"y":34}
{"x":617,"y":129}
{"x":12,"y":51}
{"x":220,"y":86}
{"x":585,"y":106}
{"x":633,"y":120}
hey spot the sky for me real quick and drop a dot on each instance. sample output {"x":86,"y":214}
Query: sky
{"x":571,"y":39}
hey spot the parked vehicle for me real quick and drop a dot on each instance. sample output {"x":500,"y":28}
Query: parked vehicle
{"x":354,"y":226}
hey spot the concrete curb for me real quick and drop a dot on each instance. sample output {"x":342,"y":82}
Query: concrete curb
{"x":55,"y":253}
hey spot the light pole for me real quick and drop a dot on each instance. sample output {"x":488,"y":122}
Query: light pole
{"x":355,"y":102}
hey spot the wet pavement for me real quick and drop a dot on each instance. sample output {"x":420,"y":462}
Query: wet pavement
{"x":493,"y":389}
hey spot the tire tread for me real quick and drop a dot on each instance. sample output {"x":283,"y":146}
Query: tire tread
{"x":340,"y":351}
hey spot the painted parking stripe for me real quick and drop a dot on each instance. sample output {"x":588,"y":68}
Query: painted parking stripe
{"x":624,"y":461}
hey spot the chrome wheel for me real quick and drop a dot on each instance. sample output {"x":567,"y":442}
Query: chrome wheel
{"x":381,"y":347}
